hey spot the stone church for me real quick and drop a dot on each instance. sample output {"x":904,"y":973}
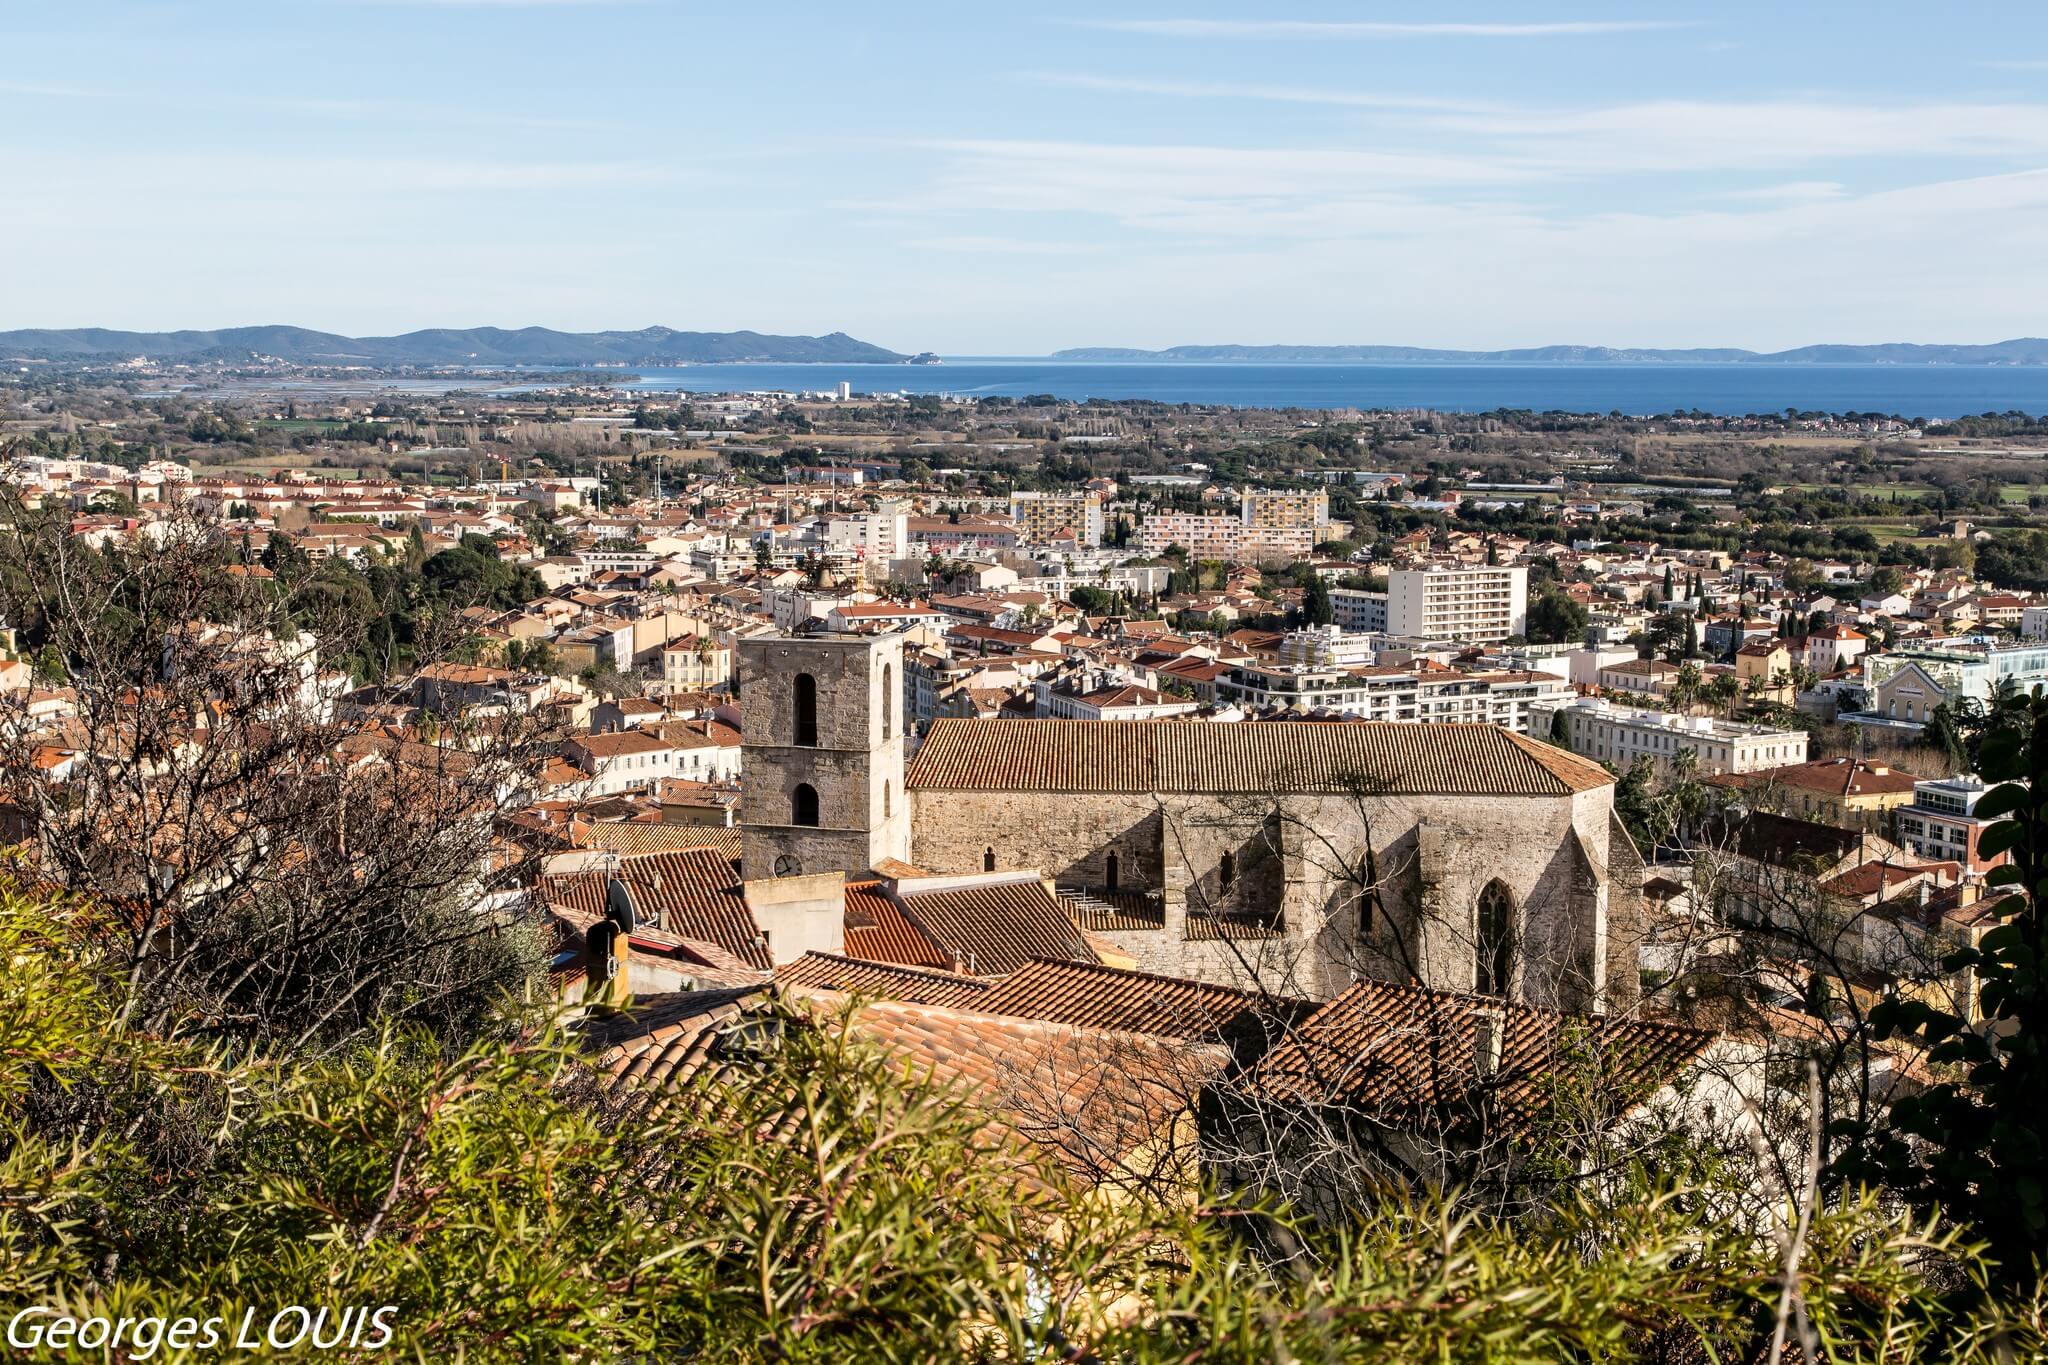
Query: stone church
{"x":1295,"y":856}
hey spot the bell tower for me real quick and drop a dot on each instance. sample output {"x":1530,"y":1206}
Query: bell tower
{"x":821,"y":755}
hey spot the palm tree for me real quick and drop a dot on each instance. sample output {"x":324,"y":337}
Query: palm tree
{"x":1685,"y":689}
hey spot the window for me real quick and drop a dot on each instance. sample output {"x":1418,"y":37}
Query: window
{"x":803,"y":805}
{"x":1495,"y":941}
{"x":886,"y":812}
{"x":888,"y":702}
{"x":1109,"y":870}
{"x":988,"y":859}
{"x":804,"y":696}
{"x":1227,"y":872}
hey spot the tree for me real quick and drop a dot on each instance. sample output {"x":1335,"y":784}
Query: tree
{"x":1316,"y":607}
{"x":1554,"y":618}
{"x":1970,"y":1143}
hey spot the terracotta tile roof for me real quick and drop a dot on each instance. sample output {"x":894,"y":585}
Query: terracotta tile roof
{"x":1102,"y":1103}
{"x":1148,"y":756}
{"x":1105,"y":1104}
{"x":1100,"y":911}
{"x":634,"y":838}
{"x":877,"y":931}
{"x":1398,"y":1053}
{"x":882,"y":981}
{"x":1093,"y":996}
{"x":690,"y":894}
{"x":992,"y":928}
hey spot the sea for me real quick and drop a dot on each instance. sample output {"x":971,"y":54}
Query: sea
{"x":1928,"y":392}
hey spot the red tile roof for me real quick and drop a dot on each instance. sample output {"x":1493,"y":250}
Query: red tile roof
{"x":1148,"y":756}
{"x":882,"y":981}
{"x":691,"y":894}
{"x":1401,"y":1053}
{"x":1095,"y":996}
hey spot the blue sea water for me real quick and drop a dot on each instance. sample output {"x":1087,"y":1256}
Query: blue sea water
{"x":1913,"y":391}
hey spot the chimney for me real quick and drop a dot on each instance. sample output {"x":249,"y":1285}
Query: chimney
{"x":1488,"y":1025}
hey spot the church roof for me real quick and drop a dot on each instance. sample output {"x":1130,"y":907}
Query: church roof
{"x":1263,"y":756}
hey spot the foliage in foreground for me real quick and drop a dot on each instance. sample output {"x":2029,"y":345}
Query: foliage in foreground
{"x":830,"y":1208}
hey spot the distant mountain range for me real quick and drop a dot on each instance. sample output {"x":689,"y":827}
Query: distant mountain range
{"x":443,"y":346}
{"x":2019,"y":351}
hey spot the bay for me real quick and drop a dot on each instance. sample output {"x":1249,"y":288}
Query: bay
{"x":1928,"y":392}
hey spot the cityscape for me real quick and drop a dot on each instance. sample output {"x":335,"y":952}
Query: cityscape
{"x":745,"y":841}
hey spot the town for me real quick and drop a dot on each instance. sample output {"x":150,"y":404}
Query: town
{"x":1199,"y":751}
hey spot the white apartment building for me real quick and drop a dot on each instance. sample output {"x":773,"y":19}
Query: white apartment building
{"x":1359,"y":610}
{"x":1329,"y":647}
{"x":1458,"y":602}
{"x":1618,"y":735}
{"x":1042,"y":516}
{"x":1396,"y":692}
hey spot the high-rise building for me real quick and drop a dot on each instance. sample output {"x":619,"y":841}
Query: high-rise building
{"x":1044,"y":517}
{"x":1458,"y":602}
{"x":1284,"y":508}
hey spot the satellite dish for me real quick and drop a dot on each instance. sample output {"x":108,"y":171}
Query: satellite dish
{"x":618,"y":905}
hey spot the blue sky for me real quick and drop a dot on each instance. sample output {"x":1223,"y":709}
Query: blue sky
{"x":976,"y":179}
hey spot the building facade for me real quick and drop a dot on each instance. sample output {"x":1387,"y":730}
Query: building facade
{"x":1619,"y":735}
{"x":1458,"y":602}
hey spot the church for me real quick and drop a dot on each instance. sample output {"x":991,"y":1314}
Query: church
{"x":1293,"y":857}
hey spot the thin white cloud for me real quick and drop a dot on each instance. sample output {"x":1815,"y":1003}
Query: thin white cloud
{"x":1704,"y":134}
{"x":1307,"y":28}
{"x":1281,"y":94}
{"x":2017,"y":64}
{"x":1794,"y":191}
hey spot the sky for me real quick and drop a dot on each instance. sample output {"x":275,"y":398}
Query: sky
{"x":976,"y":179}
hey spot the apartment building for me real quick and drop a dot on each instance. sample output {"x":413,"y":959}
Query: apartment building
{"x":1044,"y":517}
{"x":1619,"y":735}
{"x":1420,"y":695}
{"x":1357,"y":609}
{"x":1458,"y":602}
{"x":1284,"y":508}
{"x":1942,"y":822}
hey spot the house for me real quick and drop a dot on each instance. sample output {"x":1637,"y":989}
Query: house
{"x":1850,"y":793}
{"x":1835,"y":647}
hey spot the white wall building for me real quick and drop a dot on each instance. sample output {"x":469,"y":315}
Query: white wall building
{"x":1618,"y":735}
{"x":1458,"y":602}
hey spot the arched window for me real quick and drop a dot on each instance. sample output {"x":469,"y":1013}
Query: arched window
{"x":1495,"y":946}
{"x":803,"y":805}
{"x":1227,"y":873}
{"x":1109,"y":873}
{"x":888,"y":702}
{"x":886,"y":811}
{"x":988,"y":859}
{"x":804,"y":697}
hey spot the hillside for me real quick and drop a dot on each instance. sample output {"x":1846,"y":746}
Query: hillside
{"x":444,"y":346}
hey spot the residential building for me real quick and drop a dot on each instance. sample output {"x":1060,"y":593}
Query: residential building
{"x":1458,"y":602}
{"x":1618,"y":735}
{"x":1045,"y":517}
{"x":1851,"y":793}
{"x":1941,"y":821}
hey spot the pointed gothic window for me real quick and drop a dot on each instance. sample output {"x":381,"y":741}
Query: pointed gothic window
{"x":1495,"y":941}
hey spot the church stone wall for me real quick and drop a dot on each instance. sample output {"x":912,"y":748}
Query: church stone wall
{"x":1305,"y":855}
